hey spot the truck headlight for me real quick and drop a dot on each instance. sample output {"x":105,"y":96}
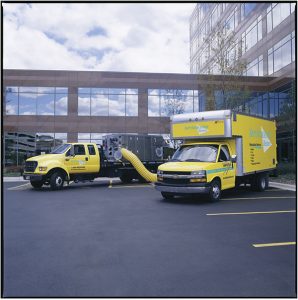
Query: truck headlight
{"x":42,"y":169}
{"x":198,"y":176}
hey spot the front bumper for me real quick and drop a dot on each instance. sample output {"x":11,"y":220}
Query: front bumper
{"x":200,"y":188}
{"x":33,"y":177}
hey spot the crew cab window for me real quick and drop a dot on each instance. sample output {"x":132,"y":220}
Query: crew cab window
{"x":224,"y":154}
{"x":79,"y":150}
{"x":91,"y":150}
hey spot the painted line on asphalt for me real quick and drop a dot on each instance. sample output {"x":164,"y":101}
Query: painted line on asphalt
{"x":131,"y":186}
{"x":111,"y":181}
{"x":19,"y":186}
{"x":274,"y":244}
{"x":252,"y":213}
{"x":255,"y":198}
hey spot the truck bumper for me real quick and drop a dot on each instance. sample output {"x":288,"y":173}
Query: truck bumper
{"x":182,"y":189}
{"x":33,"y":177}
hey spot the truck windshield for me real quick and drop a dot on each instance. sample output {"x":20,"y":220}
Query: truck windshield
{"x":60,"y":149}
{"x":204,"y":153}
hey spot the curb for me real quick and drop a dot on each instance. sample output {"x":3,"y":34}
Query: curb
{"x":283,"y":186}
{"x":20,"y":179}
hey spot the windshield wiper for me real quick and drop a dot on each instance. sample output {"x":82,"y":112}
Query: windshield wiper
{"x":193,"y":159}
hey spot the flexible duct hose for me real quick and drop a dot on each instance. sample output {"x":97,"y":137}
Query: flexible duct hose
{"x":148,"y":176}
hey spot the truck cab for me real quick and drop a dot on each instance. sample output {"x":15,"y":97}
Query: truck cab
{"x":206,"y":167}
{"x":67,"y":162}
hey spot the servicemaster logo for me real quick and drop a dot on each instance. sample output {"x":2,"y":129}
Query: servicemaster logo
{"x":202,"y":129}
{"x":265,"y":135}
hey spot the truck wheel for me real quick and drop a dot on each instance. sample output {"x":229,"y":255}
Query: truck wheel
{"x":261,"y":182}
{"x":126,"y":178}
{"x":215,"y":191}
{"x":167,"y":196}
{"x":36,"y":184}
{"x":56,"y":181}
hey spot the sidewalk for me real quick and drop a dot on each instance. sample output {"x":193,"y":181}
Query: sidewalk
{"x":282,"y":186}
{"x":20,"y":179}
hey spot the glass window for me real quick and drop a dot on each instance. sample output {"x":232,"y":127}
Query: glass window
{"x":116,"y":105}
{"x":61,"y":104}
{"x":91,"y":150}
{"x":224,"y":154}
{"x":27,"y":104}
{"x":11,"y":101}
{"x":99,"y":105}
{"x":79,"y":150}
{"x":45,"y":104}
{"x":131,"y":105}
{"x":252,"y":35}
{"x":83,"y":137}
{"x":83,"y":104}
{"x":153,"y":106}
{"x":45,"y":142}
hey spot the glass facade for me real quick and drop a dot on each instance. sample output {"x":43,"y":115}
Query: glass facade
{"x":252,"y":35}
{"x":91,"y":137}
{"x":48,"y":101}
{"x":166,"y":102}
{"x":255,"y":68}
{"x":281,"y":54}
{"x":107,"y":102}
{"x":18,"y":146}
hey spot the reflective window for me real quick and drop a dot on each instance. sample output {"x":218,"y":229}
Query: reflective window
{"x":107,"y":102}
{"x":91,"y":150}
{"x":36,"y":101}
{"x":277,"y":12}
{"x":246,"y":8}
{"x":252,"y":34}
{"x":166,"y":102}
{"x":255,"y":68}
{"x":281,"y":54}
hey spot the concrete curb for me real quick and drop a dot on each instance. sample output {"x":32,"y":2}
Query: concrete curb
{"x":20,"y":179}
{"x":283,"y":186}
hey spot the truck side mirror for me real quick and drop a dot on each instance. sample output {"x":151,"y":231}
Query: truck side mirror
{"x":233,"y":158}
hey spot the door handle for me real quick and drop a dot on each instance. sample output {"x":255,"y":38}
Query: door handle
{"x":86,"y":158}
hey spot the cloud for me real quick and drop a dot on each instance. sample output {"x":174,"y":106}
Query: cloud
{"x":135,"y":37}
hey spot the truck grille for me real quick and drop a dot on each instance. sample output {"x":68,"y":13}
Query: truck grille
{"x":175,"y":181}
{"x":176,"y":173}
{"x":30,"y":166}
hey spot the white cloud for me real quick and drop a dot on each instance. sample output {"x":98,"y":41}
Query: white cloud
{"x":135,"y":36}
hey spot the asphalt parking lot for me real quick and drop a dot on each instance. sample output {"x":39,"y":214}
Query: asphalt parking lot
{"x":105,"y":239}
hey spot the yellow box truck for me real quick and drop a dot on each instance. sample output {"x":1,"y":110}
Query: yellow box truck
{"x":221,"y":150}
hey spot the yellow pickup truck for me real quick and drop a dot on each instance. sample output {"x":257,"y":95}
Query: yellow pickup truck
{"x":221,"y":150}
{"x":79,"y":162}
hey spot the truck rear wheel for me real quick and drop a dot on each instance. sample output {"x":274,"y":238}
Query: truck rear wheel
{"x":36,"y":184}
{"x":56,"y":181}
{"x":215,"y":191}
{"x":167,"y":196}
{"x":261,"y":182}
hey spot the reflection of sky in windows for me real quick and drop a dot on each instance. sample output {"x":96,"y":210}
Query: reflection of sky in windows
{"x":165,"y":102}
{"x":108,"y":102}
{"x":36,"y":100}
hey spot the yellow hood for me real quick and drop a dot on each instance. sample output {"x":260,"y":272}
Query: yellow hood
{"x":184,"y":166}
{"x":44,"y":157}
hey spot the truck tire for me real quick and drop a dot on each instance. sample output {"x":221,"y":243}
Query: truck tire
{"x":56,"y":181}
{"x":126,"y":178}
{"x":215,"y":191}
{"x":167,"y":196}
{"x":261,"y":182}
{"x":36,"y":184}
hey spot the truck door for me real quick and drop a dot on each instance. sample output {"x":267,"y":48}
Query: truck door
{"x":228,"y":174}
{"x":79,"y":162}
{"x":93,"y":159}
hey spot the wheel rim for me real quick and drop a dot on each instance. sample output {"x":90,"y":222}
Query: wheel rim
{"x":59,"y":181}
{"x":215,"y":191}
{"x":263,"y":183}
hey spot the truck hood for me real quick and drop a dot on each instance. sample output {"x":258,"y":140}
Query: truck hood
{"x":184,"y":166}
{"x":44,"y":158}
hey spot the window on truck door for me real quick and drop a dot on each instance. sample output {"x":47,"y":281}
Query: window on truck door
{"x":224,"y":154}
{"x":79,"y":150}
{"x":91,"y":150}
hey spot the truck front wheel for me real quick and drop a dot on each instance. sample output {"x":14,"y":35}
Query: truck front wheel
{"x":215,"y":191}
{"x":36,"y":184}
{"x":56,"y":181}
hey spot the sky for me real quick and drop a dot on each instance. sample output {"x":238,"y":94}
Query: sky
{"x":129,"y":37}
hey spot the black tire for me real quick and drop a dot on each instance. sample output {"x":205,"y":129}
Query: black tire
{"x":261,"y":182}
{"x":215,"y":191}
{"x":36,"y":184}
{"x":126,"y":178}
{"x":57,"y":181}
{"x":167,"y":196}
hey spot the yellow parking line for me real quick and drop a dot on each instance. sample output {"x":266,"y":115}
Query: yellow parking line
{"x":111,"y":181}
{"x":253,"y":212}
{"x":253,"y":198}
{"x":274,"y":244}
{"x":19,"y":186}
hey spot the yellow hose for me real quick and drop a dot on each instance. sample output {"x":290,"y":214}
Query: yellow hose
{"x":148,"y":176}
